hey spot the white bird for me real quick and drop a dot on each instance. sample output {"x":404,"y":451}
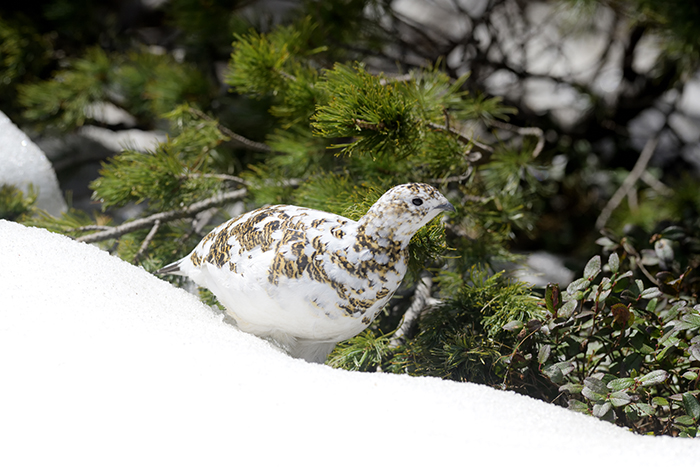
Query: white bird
{"x":308,"y":279}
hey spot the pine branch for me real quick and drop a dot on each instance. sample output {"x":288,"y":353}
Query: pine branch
{"x":161,"y":217}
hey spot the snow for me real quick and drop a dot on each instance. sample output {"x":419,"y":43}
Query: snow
{"x":22,"y":163}
{"x":105,"y":364}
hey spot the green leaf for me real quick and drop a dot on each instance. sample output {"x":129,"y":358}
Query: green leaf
{"x":572,"y":388}
{"x":633,"y":361}
{"x":594,"y":396}
{"x":685,"y":420}
{"x":637,"y":287}
{"x":568,"y":308}
{"x":691,"y":321}
{"x":605,"y":242}
{"x":670,"y":346}
{"x":513,"y":326}
{"x":614,"y":263}
{"x":592,"y":292}
{"x":631,"y":412}
{"x":601,"y":410}
{"x":673,"y":232}
{"x":646,"y":409}
{"x":593,"y":268}
{"x":594,"y":389}
{"x":675,"y":310}
{"x":604,"y":296}
{"x":621,"y":383}
{"x":619,"y":398}
{"x":660,"y":401}
{"x":669,"y":338}
{"x":544,"y":353}
{"x":691,"y":405}
{"x":556,"y":373}
{"x":652,"y":378}
{"x":694,"y":351}
{"x":578,"y":406}
{"x":651,"y":292}
{"x":664,"y":250}
{"x":690,"y":375}
{"x":552,"y":298}
{"x":578,"y":284}
{"x":651,"y":306}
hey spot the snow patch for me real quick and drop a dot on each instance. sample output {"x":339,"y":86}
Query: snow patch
{"x":23,"y":163}
{"x":104,"y":364}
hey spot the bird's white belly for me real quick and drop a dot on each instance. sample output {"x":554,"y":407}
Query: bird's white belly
{"x":304,"y":309}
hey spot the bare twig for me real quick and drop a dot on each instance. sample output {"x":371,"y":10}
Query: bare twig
{"x":229,"y":178}
{"x":629,"y":182}
{"x":524,"y":131}
{"x":250,"y":144}
{"x":365,"y":125}
{"x":656,"y":184}
{"x":85,"y":228}
{"x":463,"y":138}
{"x":455,"y":178}
{"x":167,"y":216}
{"x":395,"y":79}
{"x":286,"y":75}
{"x":146,"y":241}
{"x":420,"y":297}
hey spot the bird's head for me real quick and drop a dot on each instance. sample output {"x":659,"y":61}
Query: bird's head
{"x":401,"y":211}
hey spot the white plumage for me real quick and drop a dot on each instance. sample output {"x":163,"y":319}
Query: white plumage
{"x":308,"y":279}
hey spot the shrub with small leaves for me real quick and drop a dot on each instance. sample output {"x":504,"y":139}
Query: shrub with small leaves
{"x":623,"y":344}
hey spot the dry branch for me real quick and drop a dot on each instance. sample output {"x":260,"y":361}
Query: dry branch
{"x":167,"y":216}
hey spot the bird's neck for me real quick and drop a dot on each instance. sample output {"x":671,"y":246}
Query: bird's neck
{"x":385,"y":230}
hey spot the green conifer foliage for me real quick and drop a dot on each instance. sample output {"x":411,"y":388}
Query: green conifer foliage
{"x":144,"y":83}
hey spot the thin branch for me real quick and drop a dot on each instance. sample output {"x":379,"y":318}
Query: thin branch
{"x":656,"y":184}
{"x":420,"y":297}
{"x":86,"y":228}
{"x":147,"y":241}
{"x":286,"y":75}
{"x":455,"y":178}
{"x":230,"y":178}
{"x":167,"y":216}
{"x":396,"y":79}
{"x":463,"y":138}
{"x":524,"y":131}
{"x":250,"y":144}
{"x":629,"y":182}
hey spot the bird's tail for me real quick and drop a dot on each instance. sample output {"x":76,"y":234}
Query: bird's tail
{"x":172,"y":268}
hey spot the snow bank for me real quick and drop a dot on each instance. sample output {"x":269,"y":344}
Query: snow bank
{"x":102,"y":364}
{"x":22,"y":163}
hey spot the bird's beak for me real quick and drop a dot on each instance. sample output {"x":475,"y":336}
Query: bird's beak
{"x":446,"y":207}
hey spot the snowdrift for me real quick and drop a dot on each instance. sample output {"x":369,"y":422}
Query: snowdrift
{"x":102,"y":363}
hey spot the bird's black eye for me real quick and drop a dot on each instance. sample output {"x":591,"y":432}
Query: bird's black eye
{"x":417,"y":201}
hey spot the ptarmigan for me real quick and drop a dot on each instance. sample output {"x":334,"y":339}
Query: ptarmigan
{"x":308,"y":279}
